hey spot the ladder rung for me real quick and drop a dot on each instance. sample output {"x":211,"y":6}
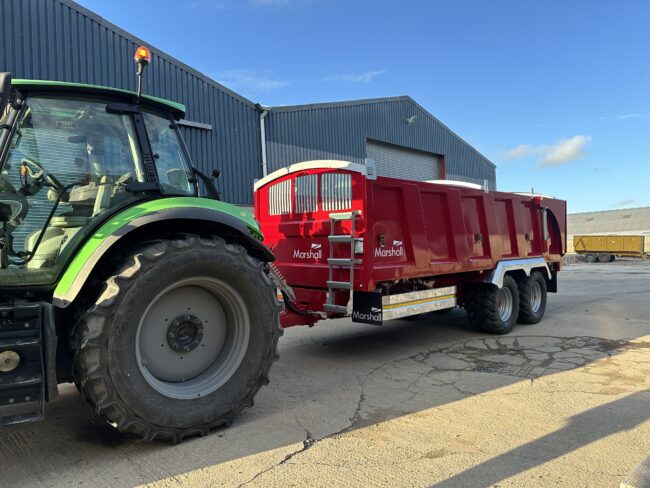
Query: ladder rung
{"x":341,"y":238}
{"x":335,"y":308}
{"x":343,"y":215}
{"x":343,"y":261}
{"x":341,"y":285}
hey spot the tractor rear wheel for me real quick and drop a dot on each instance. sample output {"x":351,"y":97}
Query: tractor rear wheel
{"x":181,"y":339}
{"x":494,"y":310}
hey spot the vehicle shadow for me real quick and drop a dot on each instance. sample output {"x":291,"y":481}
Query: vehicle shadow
{"x":597,"y":423}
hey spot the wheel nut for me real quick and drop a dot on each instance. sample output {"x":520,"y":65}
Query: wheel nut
{"x":9,"y":360}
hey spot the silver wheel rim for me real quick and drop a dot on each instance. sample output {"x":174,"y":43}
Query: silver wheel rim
{"x":504,"y":303}
{"x":192,"y":337}
{"x":535,"y":296}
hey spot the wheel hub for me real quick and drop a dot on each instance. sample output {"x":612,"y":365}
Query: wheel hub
{"x":185,"y":333}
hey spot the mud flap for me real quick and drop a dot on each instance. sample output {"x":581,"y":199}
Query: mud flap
{"x":367,"y":308}
{"x":27,"y":341}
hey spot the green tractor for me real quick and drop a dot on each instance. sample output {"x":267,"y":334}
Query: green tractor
{"x":115,"y":274}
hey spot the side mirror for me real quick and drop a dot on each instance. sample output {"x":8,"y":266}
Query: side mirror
{"x":208,"y":182}
{"x":5,"y":89}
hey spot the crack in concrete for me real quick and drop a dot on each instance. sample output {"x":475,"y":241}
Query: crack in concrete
{"x":482,"y":355}
{"x":306,"y":444}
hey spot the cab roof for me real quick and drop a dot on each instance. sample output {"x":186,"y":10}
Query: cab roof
{"x":177,"y":109}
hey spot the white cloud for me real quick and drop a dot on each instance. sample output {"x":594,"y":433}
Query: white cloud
{"x":562,"y":152}
{"x":521,"y":151}
{"x":366,"y":77}
{"x":630,"y":116}
{"x":566,"y":150}
{"x":250,"y":79}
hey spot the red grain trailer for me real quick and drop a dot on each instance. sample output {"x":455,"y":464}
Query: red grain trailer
{"x":349,"y":243}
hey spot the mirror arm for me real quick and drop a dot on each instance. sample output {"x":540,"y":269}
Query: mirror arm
{"x":210,"y":186}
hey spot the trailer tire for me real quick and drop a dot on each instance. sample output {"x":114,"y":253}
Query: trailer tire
{"x":492,"y":309}
{"x":118,"y":332}
{"x":604,"y":257}
{"x":591,"y":258}
{"x":532,"y":298}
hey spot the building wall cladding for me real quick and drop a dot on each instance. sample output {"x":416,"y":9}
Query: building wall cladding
{"x":340,"y":130}
{"x":60,"y":40}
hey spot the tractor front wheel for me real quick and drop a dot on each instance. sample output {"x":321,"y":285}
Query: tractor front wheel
{"x":181,"y":339}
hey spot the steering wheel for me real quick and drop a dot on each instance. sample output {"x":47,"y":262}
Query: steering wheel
{"x":14,"y":199}
{"x":38,"y":175}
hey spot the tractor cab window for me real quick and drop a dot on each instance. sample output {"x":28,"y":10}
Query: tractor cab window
{"x":171,"y":162}
{"x":68,"y":163}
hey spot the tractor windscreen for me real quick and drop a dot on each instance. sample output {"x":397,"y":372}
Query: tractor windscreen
{"x":69,"y":162}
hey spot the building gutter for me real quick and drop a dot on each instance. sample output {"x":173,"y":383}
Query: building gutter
{"x":264,"y":112}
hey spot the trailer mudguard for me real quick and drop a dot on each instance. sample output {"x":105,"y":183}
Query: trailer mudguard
{"x":145,"y":213}
{"x":527,"y":265}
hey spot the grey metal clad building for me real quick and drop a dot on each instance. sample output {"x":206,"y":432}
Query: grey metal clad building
{"x":60,"y":40}
{"x":403,"y":138}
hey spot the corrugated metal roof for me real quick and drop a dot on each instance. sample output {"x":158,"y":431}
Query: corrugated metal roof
{"x":627,"y":221}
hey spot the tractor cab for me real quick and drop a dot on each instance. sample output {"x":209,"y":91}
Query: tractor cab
{"x":71,"y":155}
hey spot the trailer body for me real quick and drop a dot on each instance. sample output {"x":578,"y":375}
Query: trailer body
{"x":603,"y":247}
{"x":376,"y":248}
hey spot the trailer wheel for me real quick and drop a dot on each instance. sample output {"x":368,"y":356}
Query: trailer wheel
{"x":532,"y":298}
{"x":591,"y":258}
{"x":604,"y":257}
{"x":181,"y":339}
{"x":494,"y":310}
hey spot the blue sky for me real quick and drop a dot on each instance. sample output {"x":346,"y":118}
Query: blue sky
{"x":555,"y":93}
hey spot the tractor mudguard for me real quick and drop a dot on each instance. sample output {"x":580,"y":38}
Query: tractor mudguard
{"x":171,"y":209}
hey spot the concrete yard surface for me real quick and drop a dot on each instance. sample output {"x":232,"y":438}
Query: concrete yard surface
{"x":413,"y":403}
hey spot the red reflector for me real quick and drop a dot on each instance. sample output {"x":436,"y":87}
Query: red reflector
{"x":142,"y":55}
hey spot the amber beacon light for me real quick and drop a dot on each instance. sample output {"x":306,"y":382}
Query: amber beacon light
{"x":142,"y":57}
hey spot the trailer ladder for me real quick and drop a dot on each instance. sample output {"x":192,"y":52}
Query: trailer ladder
{"x":341,"y":263}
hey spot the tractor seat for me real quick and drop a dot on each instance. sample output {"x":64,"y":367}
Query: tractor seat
{"x":66,"y":221}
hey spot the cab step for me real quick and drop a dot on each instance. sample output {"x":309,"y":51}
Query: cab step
{"x":22,"y":375}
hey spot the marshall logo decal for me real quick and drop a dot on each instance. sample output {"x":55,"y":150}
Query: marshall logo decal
{"x":367,"y":308}
{"x":315,"y":252}
{"x":396,"y":250}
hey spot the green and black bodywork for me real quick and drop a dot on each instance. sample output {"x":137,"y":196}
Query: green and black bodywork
{"x":116,"y":274}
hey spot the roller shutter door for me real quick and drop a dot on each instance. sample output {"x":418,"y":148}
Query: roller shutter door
{"x":402,"y":162}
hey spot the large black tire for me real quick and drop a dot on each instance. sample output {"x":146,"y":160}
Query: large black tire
{"x":485,"y":308}
{"x":604,"y":257}
{"x":532,"y":298}
{"x":108,"y":361}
